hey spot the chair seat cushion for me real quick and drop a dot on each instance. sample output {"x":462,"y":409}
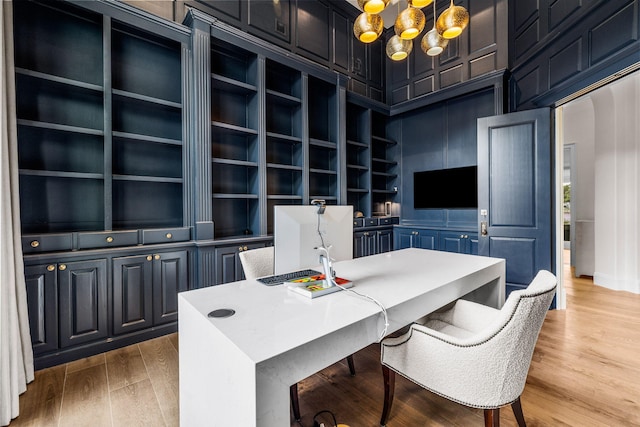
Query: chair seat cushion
{"x":448,"y":329}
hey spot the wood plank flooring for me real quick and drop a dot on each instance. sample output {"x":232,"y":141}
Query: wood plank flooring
{"x":585,"y":372}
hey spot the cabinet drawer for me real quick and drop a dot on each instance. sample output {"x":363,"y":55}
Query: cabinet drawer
{"x":388,"y":220}
{"x":36,"y":243}
{"x":107,"y":239}
{"x":165,"y":235}
{"x":358,"y":222}
{"x":370,"y":222}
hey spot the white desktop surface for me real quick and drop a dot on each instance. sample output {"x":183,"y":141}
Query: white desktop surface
{"x":237,"y":370}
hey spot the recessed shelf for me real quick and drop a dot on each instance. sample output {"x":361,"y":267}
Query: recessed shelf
{"x":385,"y":174}
{"x":61,"y":174}
{"x":282,"y":98}
{"x":284,"y":197}
{"x":146,"y":138}
{"x":323,"y":171}
{"x":388,"y":162}
{"x":357,"y":144}
{"x":383,"y":140}
{"x":231,"y":85}
{"x":221,"y":126}
{"x":58,"y":79}
{"x":284,"y":167}
{"x":234,"y":196}
{"x":56,"y":126}
{"x":283,"y":137}
{"x":234,"y":162}
{"x":357,"y":167}
{"x":144,"y":178}
{"x":145,"y":98}
{"x":322,"y":143}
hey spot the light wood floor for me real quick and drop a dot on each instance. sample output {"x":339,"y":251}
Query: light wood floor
{"x":585,"y":372}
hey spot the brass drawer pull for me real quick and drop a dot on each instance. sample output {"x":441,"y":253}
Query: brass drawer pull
{"x":156,"y":256}
{"x":109,"y":239}
{"x":168,"y":235}
{"x":35,"y":244}
{"x":51,"y":267}
{"x":149,"y":257}
{"x":62,"y":267}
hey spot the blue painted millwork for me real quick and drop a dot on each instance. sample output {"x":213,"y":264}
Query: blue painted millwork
{"x":514,"y":181}
{"x":561,"y":47}
{"x":459,"y":241}
{"x":437,"y":137}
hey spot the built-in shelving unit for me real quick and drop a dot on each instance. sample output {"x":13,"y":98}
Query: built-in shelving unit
{"x":384,"y":166}
{"x":235,"y":141}
{"x":372,"y":168}
{"x":285,"y":152}
{"x":359,"y":158}
{"x":60,"y":114}
{"x":323,"y":140}
{"x":101,"y":156}
{"x":146,"y":130}
{"x":99,"y":140}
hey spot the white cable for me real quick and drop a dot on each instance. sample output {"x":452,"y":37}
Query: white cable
{"x":370,"y":298}
{"x":378,"y":303}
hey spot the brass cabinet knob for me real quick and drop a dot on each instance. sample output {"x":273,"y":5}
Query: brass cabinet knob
{"x":35,"y":244}
{"x":156,"y":256}
{"x":245,"y":248}
{"x":109,"y":239}
{"x":240,"y":248}
{"x":168,"y":235}
{"x":62,"y":267}
{"x":51,"y":267}
{"x":149,"y":257}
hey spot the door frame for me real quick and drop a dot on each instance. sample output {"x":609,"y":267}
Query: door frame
{"x":558,"y":142}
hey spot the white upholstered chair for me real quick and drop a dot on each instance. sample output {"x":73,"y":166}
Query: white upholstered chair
{"x":472,"y":354}
{"x":259,"y":263}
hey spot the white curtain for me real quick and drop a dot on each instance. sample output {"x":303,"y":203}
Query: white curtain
{"x":16,"y":356}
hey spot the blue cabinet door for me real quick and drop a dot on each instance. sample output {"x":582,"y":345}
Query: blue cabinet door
{"x":402,"y":238}
{"x":514,"y":192}
{"x":415,"y":238}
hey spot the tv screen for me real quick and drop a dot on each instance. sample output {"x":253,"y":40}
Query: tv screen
{"x":454,"y":188}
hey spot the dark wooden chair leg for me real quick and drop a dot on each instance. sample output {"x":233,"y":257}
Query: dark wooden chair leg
{"x":492,"y":417}
{"x":295,"y":405}
{"x":517,"y":411}
{"x":389,"y":388}
{"x":352,"y":368}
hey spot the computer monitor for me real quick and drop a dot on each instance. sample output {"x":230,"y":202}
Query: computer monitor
{"x":296,"y":236}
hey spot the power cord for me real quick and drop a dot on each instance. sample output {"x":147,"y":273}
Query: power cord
{"x":330,"y":277}
{"x":317,"y":423}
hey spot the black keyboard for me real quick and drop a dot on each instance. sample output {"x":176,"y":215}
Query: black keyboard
{"x":281,"y":278}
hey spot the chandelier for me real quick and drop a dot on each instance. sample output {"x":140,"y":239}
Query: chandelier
{"x":409,"y":23}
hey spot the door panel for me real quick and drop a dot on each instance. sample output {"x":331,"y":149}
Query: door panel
{"x":514,"y":190}
{"x":169,"y":278}
{"x":83,"y":301}
{"x":132,"y":293}
{"x":42,"y":302}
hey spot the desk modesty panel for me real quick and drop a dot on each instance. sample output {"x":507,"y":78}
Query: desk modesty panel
{"x":237,"y":370}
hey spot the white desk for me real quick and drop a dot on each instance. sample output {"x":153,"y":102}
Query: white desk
{"x":236,"y":371}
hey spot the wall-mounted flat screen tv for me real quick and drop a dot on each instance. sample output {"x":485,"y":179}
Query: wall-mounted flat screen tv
{"x":454,"y":188}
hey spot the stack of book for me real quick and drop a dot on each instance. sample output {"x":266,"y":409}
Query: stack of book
{"x":315,"y":286}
